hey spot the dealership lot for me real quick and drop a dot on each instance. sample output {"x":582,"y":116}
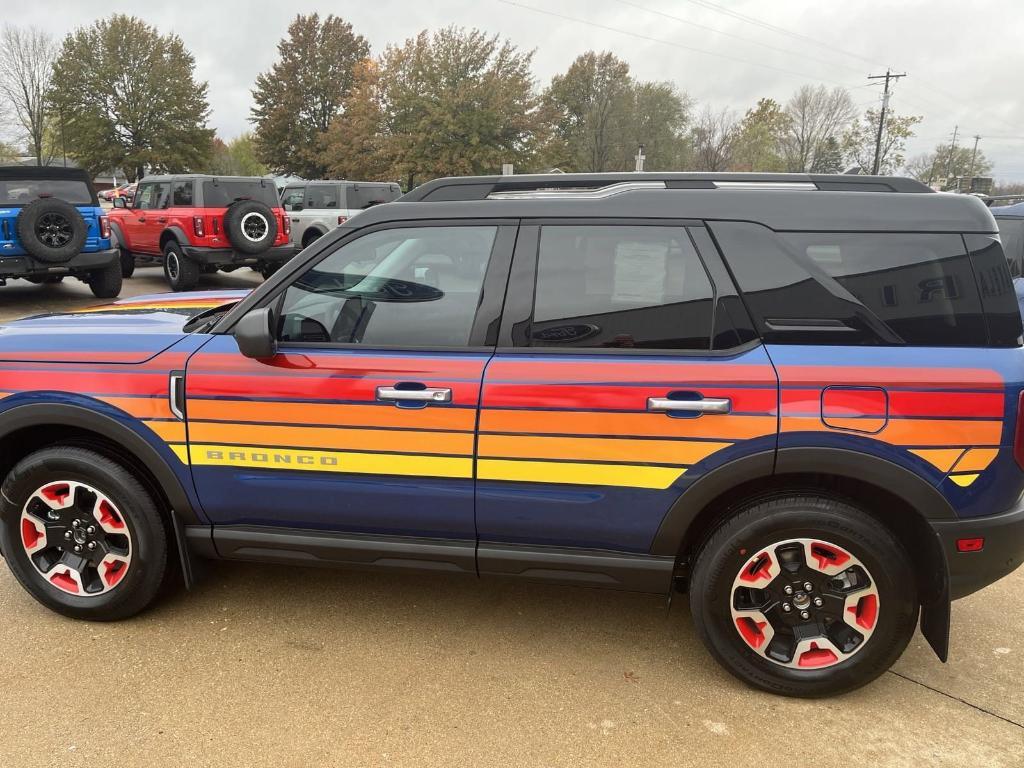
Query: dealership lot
{"x":292,"y":667}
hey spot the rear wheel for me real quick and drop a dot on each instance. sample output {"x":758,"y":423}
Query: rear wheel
{"x":82,"y":535}
{"x":804,"y":596}
{"x":181,"y":272}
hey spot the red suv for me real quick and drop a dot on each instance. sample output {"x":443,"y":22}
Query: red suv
{"x":196,"y":224}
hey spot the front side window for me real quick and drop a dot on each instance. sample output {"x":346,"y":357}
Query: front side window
{"x":620,"y":286}
{"x":409,"y":287}
{"x":293,"y":198}
{"x":146,"y":197}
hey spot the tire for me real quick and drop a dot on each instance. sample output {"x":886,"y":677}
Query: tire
{"x":106,"y":283}
{"x":821,"y":533}
{"x":251,"y":226}
{"x":268,"y":268}
{"x":51,"y":230}
{"x":129,"y":534}
{"x":127,"y":263}
{"x":310,"y":237}
{"x":181,"y":272}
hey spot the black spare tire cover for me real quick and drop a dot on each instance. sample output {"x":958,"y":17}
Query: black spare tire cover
{"x":251,"y":226}
{"x":51,"y":230}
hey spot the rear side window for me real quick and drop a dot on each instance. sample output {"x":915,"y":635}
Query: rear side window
{"x":322,"y":196}
{"x":362,"y":196}
{"x":181,"y":193}
{"x":1011,"y":232}
{"x":857,"y":288}
{"x":220,"y":194}
{"x":620,"y":286}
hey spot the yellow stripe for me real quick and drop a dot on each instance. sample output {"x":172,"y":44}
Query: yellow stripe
{"x":977,"y":459}
{"x":963,"y":480}
{"x":942,"y":459}
{"x":332,"y":461}
{"x":624,"y":475}
{"x":181,"y":451}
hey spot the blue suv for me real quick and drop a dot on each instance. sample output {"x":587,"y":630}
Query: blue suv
{"x":52,"y":226}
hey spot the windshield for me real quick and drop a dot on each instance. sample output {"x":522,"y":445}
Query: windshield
{"x":220,"y":194}
{"x":24,"y":191}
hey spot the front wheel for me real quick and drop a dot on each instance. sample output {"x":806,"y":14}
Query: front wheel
{"x":804,"y":596}
{"x":127,"y":263}
{"x":181,"y":272}
{"x":106,"y":283}
{"x":82,"y":535}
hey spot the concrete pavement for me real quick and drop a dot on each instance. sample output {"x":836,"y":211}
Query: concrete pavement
{"x":275,"y":666}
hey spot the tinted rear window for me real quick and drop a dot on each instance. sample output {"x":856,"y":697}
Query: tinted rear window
{"x":1011,"y":232}
{"x":221,"y":194}
{"x":856,"y":288}
{"x":24,"y":191}
{"x":367,"y":195}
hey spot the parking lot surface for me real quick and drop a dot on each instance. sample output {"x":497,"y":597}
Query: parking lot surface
{"x":276,"y":666}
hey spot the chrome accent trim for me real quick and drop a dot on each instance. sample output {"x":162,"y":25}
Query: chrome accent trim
{"x":707,"y":405}
{"x":173,"y":392}
{"x":790,"y":185}
{"x":580,"y":193}
{"x":437,"y":395}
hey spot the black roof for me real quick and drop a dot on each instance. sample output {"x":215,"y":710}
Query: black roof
{"x":782,"y":202}
{"x":42,"y":172}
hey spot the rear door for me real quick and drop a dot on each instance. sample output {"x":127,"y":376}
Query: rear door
{"x":363,"y":422}
{"x":620,"y":380}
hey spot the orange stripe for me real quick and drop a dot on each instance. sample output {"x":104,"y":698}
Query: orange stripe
{"x":598,"y":449}
{"x":725,"y":428}
{"x":916,"y":431}
{"x":169,"y":431}
{"x":333,"y":438}
{"x":855,"y":425}
{"x":331,"y":414}
{"x":977,"y":460}
{"x":942,"y":459}
{"x":141,"y":407}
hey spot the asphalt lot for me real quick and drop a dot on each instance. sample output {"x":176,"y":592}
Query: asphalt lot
{"x":276,"y":666}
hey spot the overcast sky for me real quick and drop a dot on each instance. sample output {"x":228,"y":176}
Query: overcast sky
{"x":963,"y":60}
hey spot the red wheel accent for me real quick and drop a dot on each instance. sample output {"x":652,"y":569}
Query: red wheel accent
{"x":65,"y":582}
{"x":865,"y":611}
{"x":828,"y":556}
{"x":759,"y":568}
{"x":113,"y":572}
{"x":30,"y":534}
{"x":751,"y":631}
{"x":817,"y":657}
{"x":109,"y":517}
{"x":58,"y":492}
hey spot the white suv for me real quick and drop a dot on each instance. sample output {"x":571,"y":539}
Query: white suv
{"x":316,"y":207}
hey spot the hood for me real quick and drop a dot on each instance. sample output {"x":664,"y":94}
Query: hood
{"x":127,"y":331}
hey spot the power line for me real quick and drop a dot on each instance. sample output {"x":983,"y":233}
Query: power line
{"x":881,"y":118}
{"x":682,"y":46}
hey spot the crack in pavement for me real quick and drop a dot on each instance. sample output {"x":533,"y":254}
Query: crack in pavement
{"x":957,"y":698}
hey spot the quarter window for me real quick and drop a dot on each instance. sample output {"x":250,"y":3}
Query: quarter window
{"x":410,"y":287}
{"x":620,"y":286}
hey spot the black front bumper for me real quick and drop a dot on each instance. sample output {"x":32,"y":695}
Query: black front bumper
{"x":18,"y":266}
{"x":224,"y":256}
{"x":1002,"y":553}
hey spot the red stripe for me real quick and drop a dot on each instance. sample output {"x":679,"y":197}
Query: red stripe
{"x":320,"y":388}
{"x":619,"y":397}
{"x":853,"y":402}
{"x":951,"y":378}
{"x":405,"y":367}
{"x":84,"y":383}
{"x":628,"y":370}
{"x":802,"y":401}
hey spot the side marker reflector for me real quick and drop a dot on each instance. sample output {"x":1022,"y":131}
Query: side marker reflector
{"x":970,"y":545}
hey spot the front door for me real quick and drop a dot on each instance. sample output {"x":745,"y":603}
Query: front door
{"x":618,"y":382}
{"x":148,"y":217}
{"x":363,"y":422}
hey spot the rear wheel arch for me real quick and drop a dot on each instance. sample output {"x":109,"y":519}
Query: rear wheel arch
{"x":311,"y":235}
{"x":172,"y":233}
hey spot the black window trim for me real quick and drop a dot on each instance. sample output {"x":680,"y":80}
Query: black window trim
{"x":522,"y":284}
{"x":488,"y":313}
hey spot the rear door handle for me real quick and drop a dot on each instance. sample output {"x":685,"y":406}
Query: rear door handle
{"x":425,"y":395}
{"x":162,"y":220}
{"x":295,"y":220}
{"x":704,"y":405}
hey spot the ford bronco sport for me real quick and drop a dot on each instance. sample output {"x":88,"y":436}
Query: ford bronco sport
{"x":196,"y":224}
{"x":796,"y":397}
{"x":52,"y":226}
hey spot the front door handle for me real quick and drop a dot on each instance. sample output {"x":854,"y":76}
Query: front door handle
{"x":142,"y":218}
{"x":162,"y":220}
{"x":703,"y":405}
{"x":425,"y":395}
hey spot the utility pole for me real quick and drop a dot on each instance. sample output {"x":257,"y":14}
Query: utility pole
{"x":952,"y":151}
{"x":881,"y":118}
{"x":640,"y":157}
{"x":974,"y":155}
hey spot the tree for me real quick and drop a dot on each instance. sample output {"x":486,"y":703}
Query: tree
{"x":713,"y":137}
{"x":26,"y":66}
{"x":947,"y":162}
{"x":304,"y":91}
{"x":455,"y":102}
{"x":859,"y":140}
{"x":758,"y":141}
{"x":128,"y":98}
{"x":590,"y":104}
{"x":815,"y":114}
{"x":354,"y":143}
{"x":657,"y":118}
{"x":235,"y":158}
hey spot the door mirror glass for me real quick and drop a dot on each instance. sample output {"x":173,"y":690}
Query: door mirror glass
{"x":254,"y":334}
{"x":119,"y":202}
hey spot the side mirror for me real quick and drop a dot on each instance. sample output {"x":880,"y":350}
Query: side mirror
{"x":254,"y":334}
{"x":119,"y":202}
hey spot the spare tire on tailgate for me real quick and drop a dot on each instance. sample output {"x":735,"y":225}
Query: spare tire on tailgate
{"x":251,"y":226}
{"x":51,"y":230}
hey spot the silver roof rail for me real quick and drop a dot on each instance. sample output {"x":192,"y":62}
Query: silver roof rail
{"x":578,"y":193}
{"x":790,"y":185}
